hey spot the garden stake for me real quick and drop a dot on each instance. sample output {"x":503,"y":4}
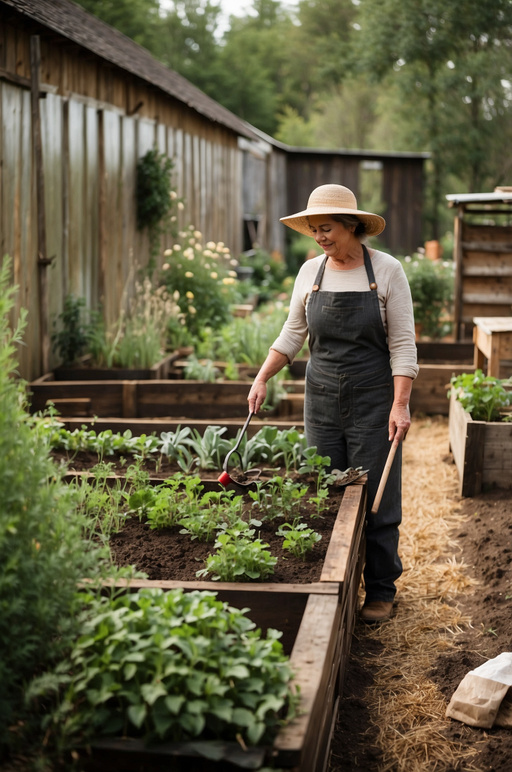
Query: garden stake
{"x":225,"y":478}
{"x":384,"y":477}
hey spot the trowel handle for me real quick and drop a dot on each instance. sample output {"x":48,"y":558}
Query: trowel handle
{"x":384,"y":477}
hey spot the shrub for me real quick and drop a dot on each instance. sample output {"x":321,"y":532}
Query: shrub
{"x":432,"y":289}
{"x":203,"y":280}
{"x":42,"y":552}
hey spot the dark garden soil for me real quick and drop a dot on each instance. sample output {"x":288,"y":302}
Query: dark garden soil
{"x":166,"y":553}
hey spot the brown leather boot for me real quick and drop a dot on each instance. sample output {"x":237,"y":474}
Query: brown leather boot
{"x":376,"y":611}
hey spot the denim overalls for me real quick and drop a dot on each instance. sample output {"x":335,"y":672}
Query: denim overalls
{"x":349,"y":393}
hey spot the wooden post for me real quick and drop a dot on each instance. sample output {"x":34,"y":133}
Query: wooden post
{"x":42,"y":260}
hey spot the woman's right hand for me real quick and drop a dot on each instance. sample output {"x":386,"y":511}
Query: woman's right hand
{"x":257,"y":396}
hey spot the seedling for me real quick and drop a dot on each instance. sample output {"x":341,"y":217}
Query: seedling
{"x":298,"y":538}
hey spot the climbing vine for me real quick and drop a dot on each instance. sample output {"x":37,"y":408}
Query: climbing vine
{"x":155,"y":197}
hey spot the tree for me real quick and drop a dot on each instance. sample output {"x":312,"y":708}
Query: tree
{"x":441,"y":54}
{"x":188,"y":44}
{"x":137,"y":19}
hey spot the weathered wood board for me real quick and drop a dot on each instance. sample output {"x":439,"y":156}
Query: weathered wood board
{"x":482,"y":451}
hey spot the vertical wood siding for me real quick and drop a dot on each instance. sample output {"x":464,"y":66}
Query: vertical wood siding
{"x":90,"y":155}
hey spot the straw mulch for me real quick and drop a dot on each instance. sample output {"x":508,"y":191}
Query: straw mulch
{"x":396,"y":721}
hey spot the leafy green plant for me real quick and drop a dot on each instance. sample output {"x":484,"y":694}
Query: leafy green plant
{"x":155,"y":198}
{"x":101,"y":503}
{"x":43,"y":551}
{"x":138,"y":337}
{"x":173,"y":445}
{"x":278,"y":497}
{"x":298,"y":538}
{"x":213,"y":510}
{"x":170,"y":666}
{"x":482,"y":396}
{"x":210,"y":448}
{"x":200,"y":370}
{"x":73,"y":330}
{"x":238,"y":557}
{"x":432,"y":290}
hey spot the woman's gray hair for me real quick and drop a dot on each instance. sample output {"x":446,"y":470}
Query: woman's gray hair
{"x":351,"y":221}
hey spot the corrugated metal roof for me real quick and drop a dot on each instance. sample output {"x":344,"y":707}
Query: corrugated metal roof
{"x":480,"y":198}
{"x":76,"y":24}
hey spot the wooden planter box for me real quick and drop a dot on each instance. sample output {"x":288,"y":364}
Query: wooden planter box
{"x":142,"y":399}
{"x":85,"y":373}
{"x":317,"y":622}
{"x":482,"y":451}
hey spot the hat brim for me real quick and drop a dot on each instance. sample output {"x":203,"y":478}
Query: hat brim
{"x":375,"y":224}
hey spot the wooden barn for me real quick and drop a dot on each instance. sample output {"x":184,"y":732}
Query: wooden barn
{"x":79,"y":105}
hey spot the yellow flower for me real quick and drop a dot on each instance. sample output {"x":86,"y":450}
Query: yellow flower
{"x":211,"y":245}
{"x":233,"y":274}
{"x":228,"y":280}
{"x":190,"y":295}
{"x":167,"y":252}
{"x":197,"y":234}
{"x":181,"y":206}
{"x":192,"y":310}
{"x":177,"y":247}
{"x":165,"y":267}
{"x":214,"y":275}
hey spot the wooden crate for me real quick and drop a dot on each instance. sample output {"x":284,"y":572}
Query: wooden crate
{"x":317,"y":622}
{"x":482,"y":451}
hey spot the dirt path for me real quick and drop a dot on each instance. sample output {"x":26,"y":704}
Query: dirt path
{"x":453,"y":613}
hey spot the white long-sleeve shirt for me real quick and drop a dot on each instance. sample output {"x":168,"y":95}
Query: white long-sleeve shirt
{"x":394,"y":299}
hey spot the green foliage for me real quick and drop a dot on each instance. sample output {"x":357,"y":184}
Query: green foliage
{"x":278,"y":497}
{"x":298,"y":538}
{"x":268,"y":272}
{"x":482,"y":396}
{"x":137,"y":19}
{"x":170,"y":666}
{"x":42,"y":550}
{"x":270,"y":445}
{"x":154,"y":196}
{"x":239,"y":557}
{"x":138,"y":337}
{"x":432,"y":290}
{"x":73,"y":331}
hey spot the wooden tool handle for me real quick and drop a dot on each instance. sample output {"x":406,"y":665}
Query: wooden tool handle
{"x":384,"y":477}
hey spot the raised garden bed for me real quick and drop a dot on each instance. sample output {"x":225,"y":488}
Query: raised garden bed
{"x":316,"y":619}
{"x":482,"y":450}
{"x":141,"y":399}
{"x":314,"y":623}
{"x":84,"y":371}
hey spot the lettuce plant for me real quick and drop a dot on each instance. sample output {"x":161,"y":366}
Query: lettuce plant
{"x":482,"y":396}
{"x":170,"y":666}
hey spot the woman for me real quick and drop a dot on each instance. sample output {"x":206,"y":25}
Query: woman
{"x":355,"y":305}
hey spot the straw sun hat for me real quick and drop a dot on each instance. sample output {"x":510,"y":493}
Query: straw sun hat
{"x":333,"y":199}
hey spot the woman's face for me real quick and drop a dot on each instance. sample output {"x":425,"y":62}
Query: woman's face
{"x":333,"y":237}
